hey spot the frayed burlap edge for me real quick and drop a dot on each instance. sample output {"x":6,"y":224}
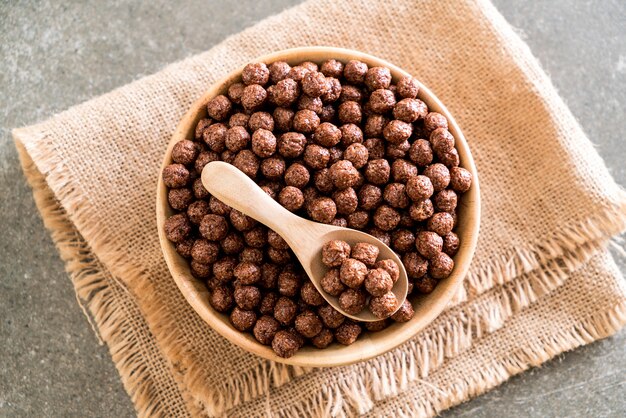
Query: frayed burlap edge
{"x":567,"y":245}
{"x":108,"y":318}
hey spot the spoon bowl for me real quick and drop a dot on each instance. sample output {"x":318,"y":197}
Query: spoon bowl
{"x":427,"y":307}
{"x":305,"y":237}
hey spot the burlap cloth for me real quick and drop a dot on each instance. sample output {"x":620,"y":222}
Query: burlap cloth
{"x":541,"y":281}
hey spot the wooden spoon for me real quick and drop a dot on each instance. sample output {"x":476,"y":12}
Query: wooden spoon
{"x":306,"y":238}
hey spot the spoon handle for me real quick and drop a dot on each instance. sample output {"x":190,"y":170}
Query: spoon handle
{"x":237,"y":190}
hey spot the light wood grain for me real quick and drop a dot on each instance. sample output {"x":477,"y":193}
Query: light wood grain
{"x":304,"y":237}
{"x":427,"y":307}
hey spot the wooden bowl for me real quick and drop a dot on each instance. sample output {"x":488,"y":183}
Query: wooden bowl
{"x":427,"y":307}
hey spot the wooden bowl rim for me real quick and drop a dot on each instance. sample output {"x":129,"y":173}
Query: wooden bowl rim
{"x":373,"y":344}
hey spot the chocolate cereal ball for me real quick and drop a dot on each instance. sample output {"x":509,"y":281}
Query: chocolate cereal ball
{"x":365,"y":253}
{"x":460,"y":179}
{"x":175,"y":176}
{"x":330,"y":316}
{"x":386,"y":218}
{"x":263,"y":143}
{"x":375,"y":148}
{"x":305,"y":121}
{"x":203,"y":159}
{"x":331,"y":283}
{"x":285,"y":344}
{"x":314,"y":84}
{"x":269,"y":275}
{"x":252,"y":255}
{"x":323,"y":339}
{"x":276,"y":241}
{"x":407,"y":87}
{"x":382,"y":101}
{"x":265,"y":329}
{"x":223,"y":269}
{"x":184,"y":152}
{"x":327,"y":134}
{"x":240,"y":221}
{"x":213,"y":227}
{"x":376,"y":326}
{"x":297,"y":175}
{"x":402,"y":240}
{"x":354,"y":72}
{"x":242,"y":320}
{"x":451,"y":244}
{"x":335,"y":252}
{"x":219,"y":107}
{"x":327,"y":114}
{"x":402,"y":170}
{"x":404,"y":313}
{"x":358,"y":219}
{"x":378,"y":282}
{"x":374,"y":125}
{"x":215,"y":137}
{"x":323,"y":210}
{"x":352,"y":301}
{"x":323,"y":181}
{"x":291,"y":144}
{"x":285,"y":92}
{"x":347,"y":333}
{"x":238,"y":119}
{"x":377,"y":171}
{"x":267,"y":303}
{"x":441,"y":140}
{"x":283,"y":118}
{"x":421,"y":153}
{"x":344,"y":174}
{"x":383,"y":306}
{"x":285,"y":310}
{"x":445,"y":201}
{"x":289,"y":282}
{"x":399,"y":150}
{"x":261,"y":120}
{"x":352,"y":273}
{"x":332,"y":68}
{"x":397,"y":131}
{"x":310,"y":103}
{"x":415,"y":265}
{"x":419,"y":188}
{"x":435,"y":120}
{"x":308,"y":324}
{"x":237,"y":138}
{"x":200,"y":127}
{"x":222,"y":299}
{"x":255,"y":73}
{"x":247,"y":297}
{"x":247,"y":273}
{"x":378,"y":78}
{"x":256,"y":237}
{"x":253,"y":97}
{"x":425,"y":284}
{"x":350,"y":134}
{"x":218,"y":207}
{"x":340,"y":222}
{"x":179,"y":199}
{"x":184,"y":247}
{"x":381,"y":235}
{"x":278,"y":71}
{"x":370,"y":197}
{"x":421,"y":210}
{"x":428,"y":244}
{"x":395,"y":195}
{"x":333,"y":92}
{"x":441,"y":223}
{"x":273,"y":167}
{"x":232,"y":244}
{"x":409,"y":110}
{"x":346,"y":201}
{"x":204,"y":251}
{"x":390,"y":267}
{"x":247,"y":162}
{"x":310,"y":295}
{"x":316,"y":157}
{"x":199,"y":190}
{"x":291,"y":198}
{"x":349,"y":112}
{"x":440,"y":266}
{"x":235,"y":91}
{"x":200,"y":270}
{"x":357,"y":154}
{"x":278,"y":256}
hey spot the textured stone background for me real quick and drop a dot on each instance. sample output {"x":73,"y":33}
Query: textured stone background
{"x":57,"y":54}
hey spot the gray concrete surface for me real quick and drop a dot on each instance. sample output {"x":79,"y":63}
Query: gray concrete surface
{"x":56,"y":54}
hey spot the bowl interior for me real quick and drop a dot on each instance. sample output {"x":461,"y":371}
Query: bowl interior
{"x":427,"y":307}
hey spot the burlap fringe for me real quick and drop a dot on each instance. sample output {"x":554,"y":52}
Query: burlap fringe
{"x":564,"y":251}
{"x":93,"y":288}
